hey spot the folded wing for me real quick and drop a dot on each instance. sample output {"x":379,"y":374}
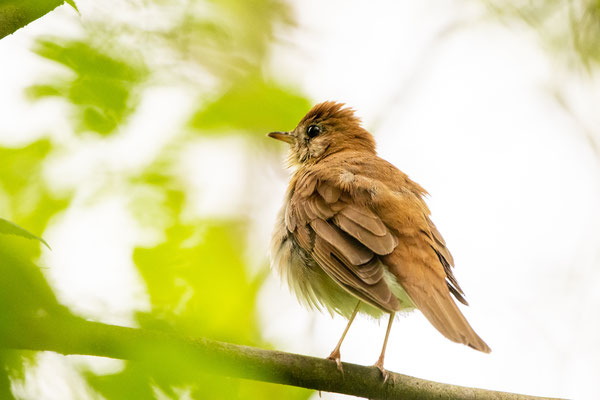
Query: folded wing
{"x":346,"y":241}
{"x":355,"y":232}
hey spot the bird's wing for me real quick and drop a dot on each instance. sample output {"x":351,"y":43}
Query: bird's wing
{"x":344,"y":239}
{"x":438,"y":244}
{"x":353,"y":224}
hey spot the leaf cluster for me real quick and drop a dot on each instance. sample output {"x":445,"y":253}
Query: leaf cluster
{"x":196,"y":274}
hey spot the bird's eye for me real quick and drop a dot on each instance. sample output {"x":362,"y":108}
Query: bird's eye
{"x":313,"y":131}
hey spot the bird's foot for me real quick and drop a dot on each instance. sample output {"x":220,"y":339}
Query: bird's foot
{"x":335,"y":356}
{"x":384,"y":372}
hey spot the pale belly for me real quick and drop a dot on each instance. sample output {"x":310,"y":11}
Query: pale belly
{"x":311,"y":285}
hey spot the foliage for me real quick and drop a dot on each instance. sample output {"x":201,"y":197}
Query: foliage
{"x":15,"y":14}
{"x":260,"y":107}
{"x":571,"y":28}
{"x":8,"y":228}
{"x":103,"y":88}
{"x":196,"y":275}
{"x":25,"y":298}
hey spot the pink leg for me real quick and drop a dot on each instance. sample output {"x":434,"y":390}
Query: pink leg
{"x":335,"y":354}
{"x":379,"y":363}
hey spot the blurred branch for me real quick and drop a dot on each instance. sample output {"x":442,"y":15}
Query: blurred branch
{"x":568,"y":27}
{"x":16,"y":14}
{"x":588,"y":132}
{"x":184,"y":356}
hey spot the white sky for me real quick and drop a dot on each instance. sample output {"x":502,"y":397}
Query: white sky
{"x":514,"y":183}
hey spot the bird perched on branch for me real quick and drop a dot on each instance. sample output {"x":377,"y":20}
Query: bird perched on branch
{"x":354,"y":233}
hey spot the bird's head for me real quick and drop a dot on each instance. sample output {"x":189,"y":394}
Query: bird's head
{"x":327,"y":128}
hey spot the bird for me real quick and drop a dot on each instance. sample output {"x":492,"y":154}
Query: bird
{"x":354,"y":233}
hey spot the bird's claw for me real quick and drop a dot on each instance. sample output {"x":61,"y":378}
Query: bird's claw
{"x":384,"y":372}
{"x":335,"y":356}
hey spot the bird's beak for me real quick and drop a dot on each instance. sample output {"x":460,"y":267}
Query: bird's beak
{"x":283,"y":136}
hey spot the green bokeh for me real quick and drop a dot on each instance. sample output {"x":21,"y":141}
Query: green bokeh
{"x":196,"y":276}
{"x":102,"y":90}
{"x":569,"y":29}
{"x":253,"y":106}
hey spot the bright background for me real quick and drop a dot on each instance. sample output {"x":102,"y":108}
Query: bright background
{"x":152,"y":180}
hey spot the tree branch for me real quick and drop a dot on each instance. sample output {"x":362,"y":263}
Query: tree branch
{"x":183,"y":356}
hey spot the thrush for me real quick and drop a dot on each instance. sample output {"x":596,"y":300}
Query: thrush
{"x":355,"y":235}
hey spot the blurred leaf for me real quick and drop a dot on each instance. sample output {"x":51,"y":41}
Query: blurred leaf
{"x":8,"y":228}
{"x":103,"y":87}
{"x":571,"y":28}
{"x":25,"y":299}
{"x":231,"y":40}
{"x":24,"y":195}
{"x":263,"y":390}
{"x":254,"y":106}
{"x":20,"y":165}
{"x":131,"y":383}
{"x":198,"y":286}
{"x":197,"y":281}
{"x":25,"y":294}
{"x":253,"y":23}
{"x":86,"y":60}
{"x":196,"y":276}
{"x":6,"y":364}
{"x":585,"y":26}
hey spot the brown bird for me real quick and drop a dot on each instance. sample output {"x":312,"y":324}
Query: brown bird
{"x":354,"y":233}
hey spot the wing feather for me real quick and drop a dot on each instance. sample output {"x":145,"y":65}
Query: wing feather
{"x":372,"y":291}
{"x":358,"y":223}
{"x":378,"y":244}
{"x":329,"y":191}
{"x":343,"y":240}
{"x":365,"y":218}
{"x":348,"y":247}
{"x":438,"y":244}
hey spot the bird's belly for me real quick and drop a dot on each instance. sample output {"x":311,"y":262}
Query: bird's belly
{"x":311,"y":285}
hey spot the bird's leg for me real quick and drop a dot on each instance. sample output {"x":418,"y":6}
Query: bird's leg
{"x":379,"y":363}
{"x":335,"y":354}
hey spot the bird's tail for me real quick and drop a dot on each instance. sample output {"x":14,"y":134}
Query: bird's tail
{"x":427,"y":288}
{"x":444,"y":315}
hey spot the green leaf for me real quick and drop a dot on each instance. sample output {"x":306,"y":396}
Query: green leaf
{"x":5,"y":392}
{"x":27,"y":302}
{"x":8,"y":228}
{"x":24,"y":193}
{"x":72,"y":4}
{"x":252,"y":105}
{"x":104,"y":88}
